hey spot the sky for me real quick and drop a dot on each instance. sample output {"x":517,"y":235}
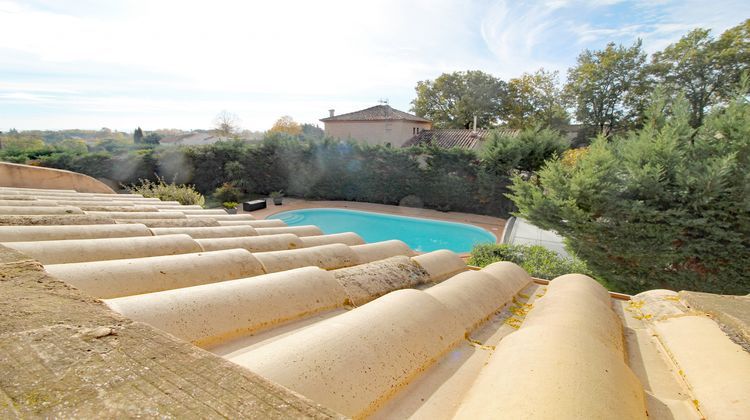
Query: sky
{"x":177,"y":63}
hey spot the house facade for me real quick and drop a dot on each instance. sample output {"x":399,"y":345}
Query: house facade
{"x":380,"y":124}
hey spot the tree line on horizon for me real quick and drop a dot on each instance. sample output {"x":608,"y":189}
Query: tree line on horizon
{"x":658,"y":200}
{"x":606,"y":91}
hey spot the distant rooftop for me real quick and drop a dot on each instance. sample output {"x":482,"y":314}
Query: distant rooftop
{"x":193,"y":139}
{"x":452,"y":137}
{"x":376,"y":113}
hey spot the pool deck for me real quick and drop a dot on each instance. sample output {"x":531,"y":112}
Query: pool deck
{"x":493,"y":225}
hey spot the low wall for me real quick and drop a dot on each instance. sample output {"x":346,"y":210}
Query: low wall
{"x":26,"y":176}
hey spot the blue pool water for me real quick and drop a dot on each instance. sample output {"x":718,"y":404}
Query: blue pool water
{"x":421,"y":235}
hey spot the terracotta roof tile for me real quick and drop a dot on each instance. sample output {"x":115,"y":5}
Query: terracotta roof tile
{"x":376,"y":113}
{"x":358,"y":328}
{"x":451,"y":137}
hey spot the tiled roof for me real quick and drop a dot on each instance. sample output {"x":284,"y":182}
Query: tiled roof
{"x":361,"y":329}
{"x":193,"y":139}
{"x":451,"y":137}
{"x":376,"y":113}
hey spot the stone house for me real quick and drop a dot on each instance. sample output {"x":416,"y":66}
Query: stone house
{"x":379,"y":124}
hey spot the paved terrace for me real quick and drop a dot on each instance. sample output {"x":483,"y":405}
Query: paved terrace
{"x":521,"y":232}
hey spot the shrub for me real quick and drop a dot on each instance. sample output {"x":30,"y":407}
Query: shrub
{"x":572,"y":156}
{"x":536,"y":260}
{"x":185,"y":194}
{"x":525,"y":151}
{"x":666,"y":206}
{"x":229,"y":204}
{"x":227,"y":192}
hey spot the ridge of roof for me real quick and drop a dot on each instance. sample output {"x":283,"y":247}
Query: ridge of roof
{"x":452,"y":137}
{"x":376,"y":113}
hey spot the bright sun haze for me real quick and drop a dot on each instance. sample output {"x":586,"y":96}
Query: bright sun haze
{"x":176,"y":64}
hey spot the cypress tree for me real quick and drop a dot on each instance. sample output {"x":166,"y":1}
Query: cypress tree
{"x":666,"y":206}
{"x":138,"y":136}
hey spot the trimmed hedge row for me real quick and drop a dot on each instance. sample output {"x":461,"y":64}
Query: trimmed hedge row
{"x":443,"y":179}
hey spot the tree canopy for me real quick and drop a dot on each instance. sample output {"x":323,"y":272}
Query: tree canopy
{"x":703,"y":68}
{"x":453,"y":99}
{"x":312,"y":131}
{"x":535,"y":100}
{"x":152,"y":139}
{"x":666,"y":206}
{"x":227,"y":124}
{"x":286,"y":125}
{"x":606,"y":90}
{"x":137,"y":135}
{"x":607,"y":87}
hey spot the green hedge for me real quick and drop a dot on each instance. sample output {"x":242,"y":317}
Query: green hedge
{"x":536,"y":260}
{"x":444,"y":179}
{"x":127,"y":167}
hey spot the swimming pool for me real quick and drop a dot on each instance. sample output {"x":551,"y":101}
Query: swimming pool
{"x":422,"y":235}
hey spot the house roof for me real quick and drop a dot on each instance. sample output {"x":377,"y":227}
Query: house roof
{"x":193,"y":139}
{"x":376,"y":113}
{"x":451,"y":137}
{"x":133,"y":289}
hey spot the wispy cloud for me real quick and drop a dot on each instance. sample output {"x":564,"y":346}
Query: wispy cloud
{"x":85,"y":63}
{"x":527,"y":35}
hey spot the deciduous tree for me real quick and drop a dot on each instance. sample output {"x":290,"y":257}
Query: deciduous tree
{"x":19,"y":142}
{"x":453,"y":99}
{"x":535,"y":100}
{"x":734,"y":55}
{"x":73,"y":145}
{"x":704,"y":69}
{"x":286,"y":125}
{"x":227,"y":124}
{"x":608,"y":87}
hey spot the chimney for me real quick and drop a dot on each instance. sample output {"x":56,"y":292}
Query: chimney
{"x":330,"y":112}
{"x":475,"y":123}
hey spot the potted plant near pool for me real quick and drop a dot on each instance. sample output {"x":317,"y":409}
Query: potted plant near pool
{"x":277,"y":197}
{"x":230,"y":207}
